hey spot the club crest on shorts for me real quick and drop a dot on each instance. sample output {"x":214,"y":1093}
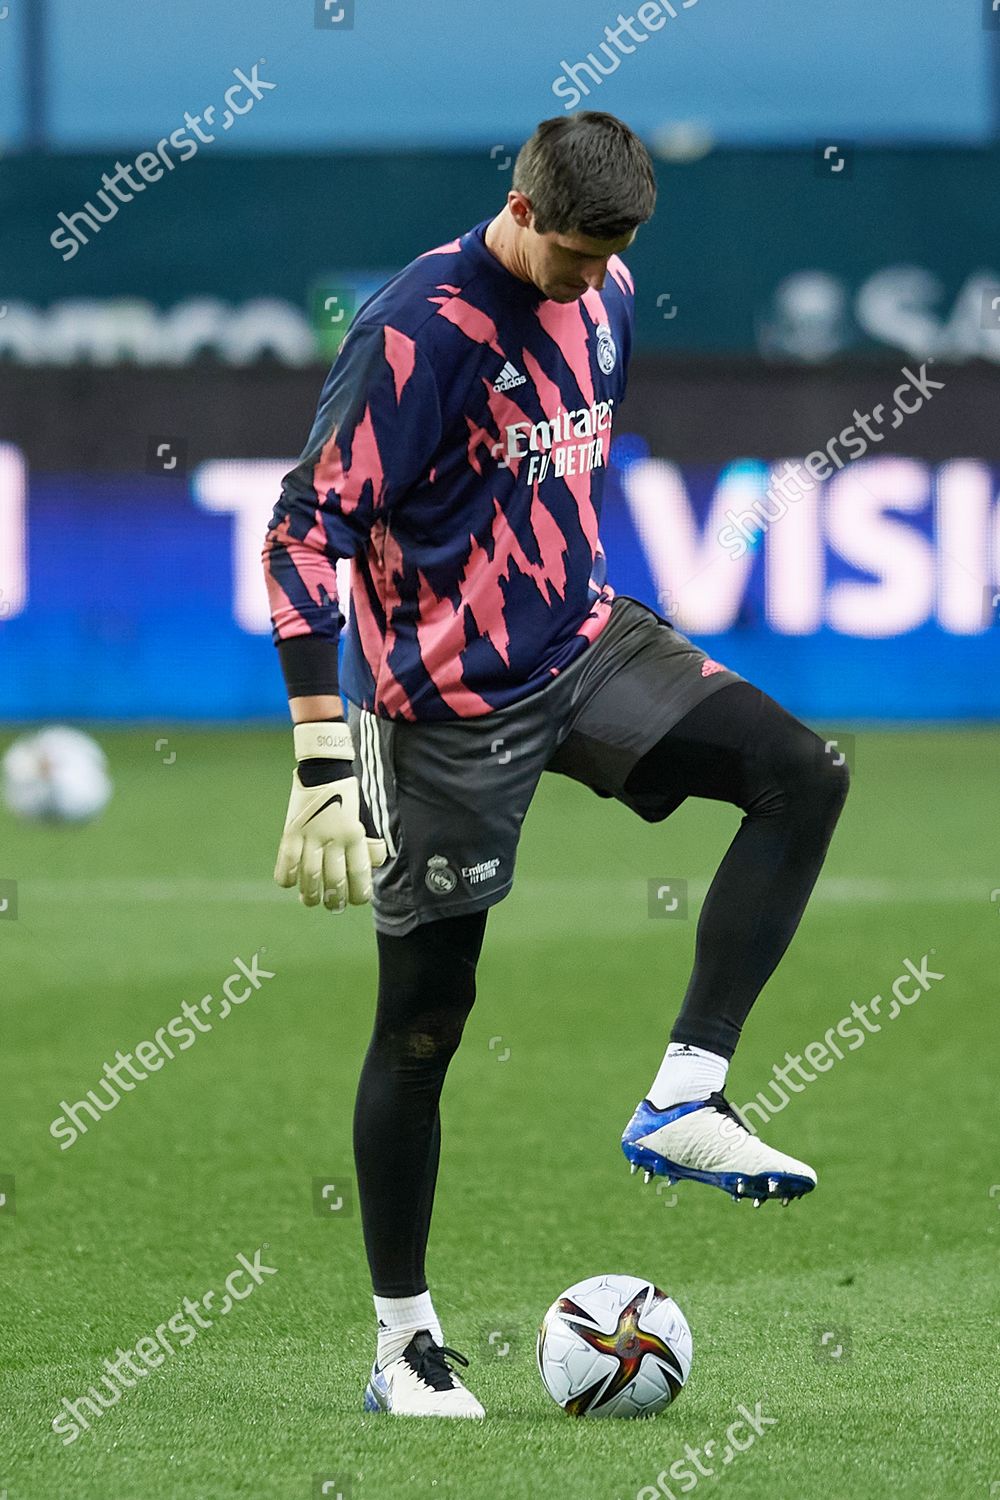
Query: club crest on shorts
{"x":440,"y":877}
{"x":607,"y":351}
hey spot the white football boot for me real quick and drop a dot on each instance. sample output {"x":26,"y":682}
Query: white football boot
{"x":707,"y":1140}
{"x":421,"y":1383}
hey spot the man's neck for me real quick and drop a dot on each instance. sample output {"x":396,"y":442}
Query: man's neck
{"x":499,"y":240}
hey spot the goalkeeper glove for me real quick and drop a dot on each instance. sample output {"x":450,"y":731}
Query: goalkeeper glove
{"x":329,"y":845}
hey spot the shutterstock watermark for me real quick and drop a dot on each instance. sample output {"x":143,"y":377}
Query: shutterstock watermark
{"x":746,"y":528}
{"x":854,"y":1029}
{"x":685,"y":1472}
{"x":150,"y":165}
{"x":184,"y":1029}
{"x":654,"y":15}
{"x":70,"y":1421}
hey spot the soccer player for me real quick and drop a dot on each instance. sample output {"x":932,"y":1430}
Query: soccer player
{"x":458,"y":459}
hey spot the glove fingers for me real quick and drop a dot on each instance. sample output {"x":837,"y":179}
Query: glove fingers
{"x":359,"y":872}
{"x":311,"y":874}
{"x":286,"y":869}
{"x":334,"y":878}
{"x":332,"y":861}
{"x":377,"y":852}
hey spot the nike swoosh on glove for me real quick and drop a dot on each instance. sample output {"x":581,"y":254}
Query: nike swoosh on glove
{"x":328,"y":847}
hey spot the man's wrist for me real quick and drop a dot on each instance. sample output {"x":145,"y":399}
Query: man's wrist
{"x":314,"y":708}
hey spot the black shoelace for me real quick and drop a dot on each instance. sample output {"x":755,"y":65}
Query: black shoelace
{"x":432,"y":1362}
{"x":722,"y":1104}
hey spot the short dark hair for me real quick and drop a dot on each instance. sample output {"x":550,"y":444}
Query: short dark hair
{"x":586,"y":173}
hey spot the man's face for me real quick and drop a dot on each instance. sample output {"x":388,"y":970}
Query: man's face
{"x":564,"y":266}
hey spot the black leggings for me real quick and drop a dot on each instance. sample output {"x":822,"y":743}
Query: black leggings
{"x":427,"y":984}
{"x":736,"y":746}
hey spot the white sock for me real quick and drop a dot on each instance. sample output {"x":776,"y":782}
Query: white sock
{"x":399,"y":1318}
{"x":687,"y":1073}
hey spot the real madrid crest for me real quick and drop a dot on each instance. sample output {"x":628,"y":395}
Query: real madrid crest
{"x":440,"y":877}
{"x":607,"y":353}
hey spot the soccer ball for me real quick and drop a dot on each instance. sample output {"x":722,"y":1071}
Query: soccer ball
{"x":56,"y":774}
{"x":614,"y":1346}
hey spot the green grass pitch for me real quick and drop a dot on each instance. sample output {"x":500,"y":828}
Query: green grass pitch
{"x":894,"y":1258}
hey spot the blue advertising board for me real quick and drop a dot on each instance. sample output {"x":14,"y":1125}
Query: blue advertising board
{"x":873,"y":594}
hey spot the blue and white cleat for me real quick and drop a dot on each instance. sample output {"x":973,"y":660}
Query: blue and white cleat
{"x":708,"y":1140}
{"x":421,"y":1383}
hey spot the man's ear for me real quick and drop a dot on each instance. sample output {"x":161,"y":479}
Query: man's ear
{"x":520,"y":209}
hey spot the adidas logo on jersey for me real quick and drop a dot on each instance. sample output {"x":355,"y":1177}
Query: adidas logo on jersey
{"x":509,"y":378}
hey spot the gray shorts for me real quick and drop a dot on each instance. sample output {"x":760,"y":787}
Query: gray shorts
{"x":449,"y":798}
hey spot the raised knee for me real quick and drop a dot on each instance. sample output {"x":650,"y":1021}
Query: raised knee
{"x":808,"y":774}
{"x":820,"y":772}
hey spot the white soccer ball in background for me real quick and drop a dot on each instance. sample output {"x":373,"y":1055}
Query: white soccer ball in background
{"x":614,"y":1346}
{"x":56,"y":774}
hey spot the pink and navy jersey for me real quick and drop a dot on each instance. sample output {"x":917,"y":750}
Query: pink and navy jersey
{"x":458,"y":457}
